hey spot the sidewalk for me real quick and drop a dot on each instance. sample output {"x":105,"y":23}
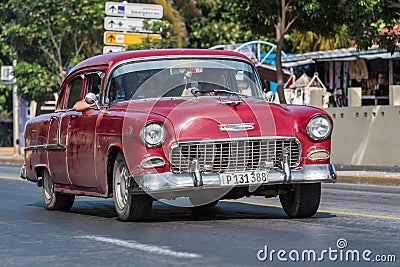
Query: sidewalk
{"x":7,"y":156}
{"x":386,"y":176}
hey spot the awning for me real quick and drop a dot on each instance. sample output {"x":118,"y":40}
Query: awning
{"x":268,"y":72}
{"x":345,"y":54}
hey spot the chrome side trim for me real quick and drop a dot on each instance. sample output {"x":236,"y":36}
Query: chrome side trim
{"x":46,"y":147}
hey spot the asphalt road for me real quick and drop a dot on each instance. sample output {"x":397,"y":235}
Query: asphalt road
{"x":353,"y":221}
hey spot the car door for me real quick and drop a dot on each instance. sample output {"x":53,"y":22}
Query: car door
{"x":81,"y":138}
{"x":57,"y":136}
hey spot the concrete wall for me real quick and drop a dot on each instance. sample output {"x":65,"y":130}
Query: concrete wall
{"x":368,"y":135}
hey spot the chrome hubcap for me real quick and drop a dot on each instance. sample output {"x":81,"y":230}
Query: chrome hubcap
{"x":121,"y":188}
{"x":48,"y":188}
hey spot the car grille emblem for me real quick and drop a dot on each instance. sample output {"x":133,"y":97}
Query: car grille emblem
{"x":236,"y":127}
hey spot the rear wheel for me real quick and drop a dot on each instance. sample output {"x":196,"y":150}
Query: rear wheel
{"x":128,"y":207}
{"x":55,"y":200}
{"x":302,"y":201}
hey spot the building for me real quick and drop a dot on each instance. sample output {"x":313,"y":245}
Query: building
{"x":364,"y":77}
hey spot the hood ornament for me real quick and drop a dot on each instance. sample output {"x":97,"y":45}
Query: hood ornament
{"x":236,"y":127}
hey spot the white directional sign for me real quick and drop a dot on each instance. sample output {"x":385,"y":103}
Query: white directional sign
{"x":124,"y":24}
{"x":147,"y":11}
{"x":112,"y":49}
{"x":6,"y":73}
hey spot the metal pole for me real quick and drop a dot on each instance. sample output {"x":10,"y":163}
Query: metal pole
{"x":15,"y":115}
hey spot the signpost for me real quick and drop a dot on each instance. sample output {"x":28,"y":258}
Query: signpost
{"x":125,"y":26}
{"x":6,"y":73}
{"x":147,"y":11}
{"x":7,"y":78}
{"x":122,"y":38}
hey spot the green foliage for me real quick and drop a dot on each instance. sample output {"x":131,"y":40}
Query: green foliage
{"x":164,"y":28}
{"x":34,"y":81}
{"x":5,"y":102}
{"x":51,"y":35}
{"x":218,"y":24}
{"x":372,"y":17}
{"x":303,"y":42}
{"x":47,"y":36}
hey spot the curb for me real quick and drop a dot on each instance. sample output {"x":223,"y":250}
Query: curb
{"x":12,"y":160}
{"x":369,"y":178}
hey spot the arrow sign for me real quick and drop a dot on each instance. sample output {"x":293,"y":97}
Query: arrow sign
{"x":119,"y":38}
{"x":147,"y":11}
{"x":124,"y":24}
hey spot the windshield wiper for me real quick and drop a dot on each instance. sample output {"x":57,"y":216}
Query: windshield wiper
{"x":195,"y":91}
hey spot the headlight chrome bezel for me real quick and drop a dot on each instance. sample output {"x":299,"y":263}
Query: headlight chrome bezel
{"x":317,"y":121}
{"x":145,"y":134}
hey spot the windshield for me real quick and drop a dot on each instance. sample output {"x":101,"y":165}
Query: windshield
{"x":182,"y":78}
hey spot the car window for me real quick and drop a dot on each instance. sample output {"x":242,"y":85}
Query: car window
{"x":74,"y":91}
{"x":61,"y":99}
{"x":176,"y":78}
{"x":93,"y":83}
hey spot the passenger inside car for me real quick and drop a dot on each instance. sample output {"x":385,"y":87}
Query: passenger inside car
{"x":151,"y":88}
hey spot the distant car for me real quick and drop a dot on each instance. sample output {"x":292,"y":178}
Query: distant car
{"x":176,"y":124}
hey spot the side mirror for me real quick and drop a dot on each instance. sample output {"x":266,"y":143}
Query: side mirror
{"x":90,"y":98}
{"x":270,"y":96}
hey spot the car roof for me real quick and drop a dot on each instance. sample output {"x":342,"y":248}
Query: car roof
{"x":113,"y":58}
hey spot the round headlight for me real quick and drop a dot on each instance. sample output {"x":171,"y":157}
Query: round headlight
{"x":319,"y":128}
{"x":153,"y":134}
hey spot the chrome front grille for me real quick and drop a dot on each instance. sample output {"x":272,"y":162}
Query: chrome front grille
{"x":232,"y":155}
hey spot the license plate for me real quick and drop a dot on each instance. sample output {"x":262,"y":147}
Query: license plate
{"x":244,"y":178}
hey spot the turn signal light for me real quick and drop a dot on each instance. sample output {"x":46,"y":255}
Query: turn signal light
{"x":318,"y":155}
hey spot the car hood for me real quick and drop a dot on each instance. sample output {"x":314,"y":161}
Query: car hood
{"x":215,"y":118}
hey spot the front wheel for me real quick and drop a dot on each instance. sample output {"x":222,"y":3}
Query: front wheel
{"x":55,"y":200}
{"x":128,"y":207}
{"x":302,"y":201}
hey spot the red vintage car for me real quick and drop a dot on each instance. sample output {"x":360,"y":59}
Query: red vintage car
{"x":176,"y":124}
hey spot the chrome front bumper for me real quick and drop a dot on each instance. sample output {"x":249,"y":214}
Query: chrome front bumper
{"x":168,"y":181}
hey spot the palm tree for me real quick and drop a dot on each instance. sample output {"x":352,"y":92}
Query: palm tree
{"x":309,"y":41}
{"x":174,"y":17}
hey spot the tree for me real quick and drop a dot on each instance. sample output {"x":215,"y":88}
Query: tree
{"x":48,"y":36}
{"x":164,"y":28}
{"x":178,"y":27}
{"x":377,"y":25}
{"x":309,"y":41}
{"x":214,"y":23}
{"x":325,"y":18}
{"x":277,"y":17}
{"x":202,"y":24}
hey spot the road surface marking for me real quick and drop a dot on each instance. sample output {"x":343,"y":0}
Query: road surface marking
{"x":143,"y":247}
{"x":324,"y":211}
{"x":10,"y":178}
